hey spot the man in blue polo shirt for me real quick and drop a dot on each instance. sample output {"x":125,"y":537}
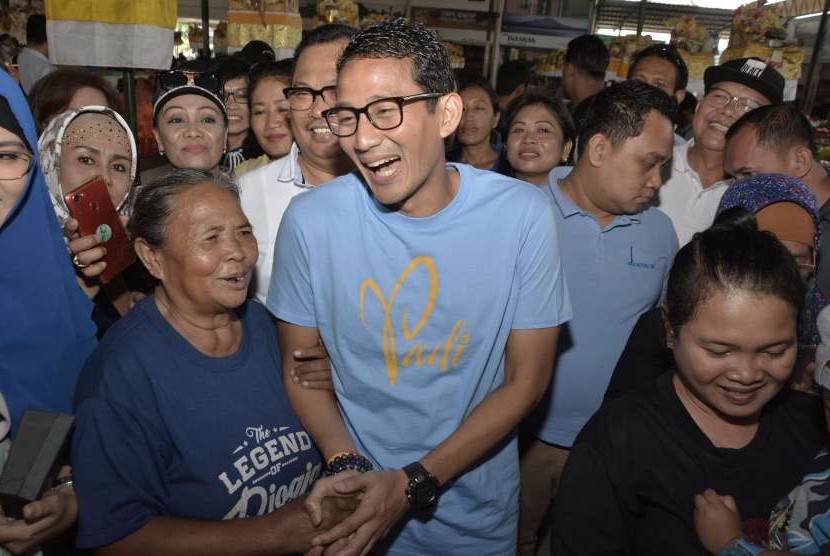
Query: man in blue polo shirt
{"x":616,"y":253}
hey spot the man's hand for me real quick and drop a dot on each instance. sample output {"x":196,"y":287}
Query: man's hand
{"x":717,"y":520}
{"x":383,"y":503}
{"x":42,"y":520}
{"x":312,"y":369}
{"x":335,"y":509}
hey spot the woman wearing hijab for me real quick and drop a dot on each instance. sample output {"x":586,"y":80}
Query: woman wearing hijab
{"x":76,"y":147}
{"x":780,"y":205}
{"x":47,"y":333}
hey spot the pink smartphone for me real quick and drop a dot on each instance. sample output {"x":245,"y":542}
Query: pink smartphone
{"x":91,"y":206}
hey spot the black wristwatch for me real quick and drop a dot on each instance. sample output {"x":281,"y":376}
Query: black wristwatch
{"x":423,"y":487}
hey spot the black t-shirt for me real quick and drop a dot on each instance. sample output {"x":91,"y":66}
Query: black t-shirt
{"x":631,"y":477}
{"x":644,"y":358}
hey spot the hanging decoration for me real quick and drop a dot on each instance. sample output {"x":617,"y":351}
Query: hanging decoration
{"x":276,"y":22}
{"x":115,"y":33}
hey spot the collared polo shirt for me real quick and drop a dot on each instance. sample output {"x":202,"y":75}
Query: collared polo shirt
{"x":614,"y":274}
{"x":690,"y":206}
{"x":265,"y":194}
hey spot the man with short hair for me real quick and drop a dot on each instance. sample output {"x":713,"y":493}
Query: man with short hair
{"x":586,"y":60}
{"x":33,"y":60}
{"x":661,"y":66}
{"x":616,"y":252}
{"x":511,"y":82}
{"x":315,"y":156}
{"x":778,"y":139}
{"x":441,"y":327}
{"x":691,"y":195}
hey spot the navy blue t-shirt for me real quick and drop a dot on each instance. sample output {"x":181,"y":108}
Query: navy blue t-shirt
{"x":164,"y":430}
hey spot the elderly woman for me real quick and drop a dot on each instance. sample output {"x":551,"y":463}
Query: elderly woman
{"x":46,"y":332}
{"x":182,"y":419}
{"x":190,"y":121}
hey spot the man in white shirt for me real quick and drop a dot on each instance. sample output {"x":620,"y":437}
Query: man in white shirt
{"x":315,"y":156}
{"x":33,"y":60}
{"x":691,"y":195}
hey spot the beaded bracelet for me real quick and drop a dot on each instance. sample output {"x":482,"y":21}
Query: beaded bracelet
{"x":348,"y":460}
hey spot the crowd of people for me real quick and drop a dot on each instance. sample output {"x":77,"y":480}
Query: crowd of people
{"x":382,"y":307}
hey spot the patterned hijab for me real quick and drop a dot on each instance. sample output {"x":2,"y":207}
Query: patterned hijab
{"x":46,"y":329}
{"x":757,"y":193}
{"x":51,"y":143}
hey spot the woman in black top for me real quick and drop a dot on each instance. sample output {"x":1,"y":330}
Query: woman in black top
{"x":720,"y":419}
{"x":778,"y":204}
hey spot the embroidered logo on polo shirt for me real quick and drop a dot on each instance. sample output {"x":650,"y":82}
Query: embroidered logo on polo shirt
{"x":638,"y":264}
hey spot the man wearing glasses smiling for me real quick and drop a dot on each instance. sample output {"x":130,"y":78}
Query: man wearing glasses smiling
{"x":691,"y":195}
{"x":314,"y":158}
{"x":437,"y":290}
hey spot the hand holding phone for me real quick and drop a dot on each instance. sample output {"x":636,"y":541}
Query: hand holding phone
{"x":91,"y":206}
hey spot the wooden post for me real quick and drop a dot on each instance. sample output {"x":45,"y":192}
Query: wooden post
{"x":129,"y":100}
{"x":206,"y":28}
{"x":813,"y":75}
{"x":641,"y":17}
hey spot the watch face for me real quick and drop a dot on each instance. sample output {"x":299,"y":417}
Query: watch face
{"x":422,"y":491}
{"x":425,"y":494}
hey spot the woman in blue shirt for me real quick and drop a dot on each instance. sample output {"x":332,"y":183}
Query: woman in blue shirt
{"x":183,"y":425}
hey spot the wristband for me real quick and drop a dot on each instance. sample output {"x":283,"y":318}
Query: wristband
{"x":348,"y":460}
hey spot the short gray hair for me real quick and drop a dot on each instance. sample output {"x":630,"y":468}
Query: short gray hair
{"x":154,"y":203}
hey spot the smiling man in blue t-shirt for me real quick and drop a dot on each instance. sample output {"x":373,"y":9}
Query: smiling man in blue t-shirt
{"x":438,"y":292}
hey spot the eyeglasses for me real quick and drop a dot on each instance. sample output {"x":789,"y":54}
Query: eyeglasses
{"x":384,"y":114}
{"x":718,"y":98}
{"x":240,"y":96}
{"x":806,"y":266}
{"x":179,"y":78}
{"x":14,"y":165}
{"x":806,"y":260}
{"x":302,"y":98}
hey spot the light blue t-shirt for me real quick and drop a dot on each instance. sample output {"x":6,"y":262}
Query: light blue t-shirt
{"x":415,"y":314}
{"x":614,"y":275}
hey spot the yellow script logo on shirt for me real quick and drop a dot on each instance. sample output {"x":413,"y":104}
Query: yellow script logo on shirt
{"x":454,"y":345}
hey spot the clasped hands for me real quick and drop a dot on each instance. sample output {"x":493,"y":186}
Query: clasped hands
{"x":382,"y":503}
